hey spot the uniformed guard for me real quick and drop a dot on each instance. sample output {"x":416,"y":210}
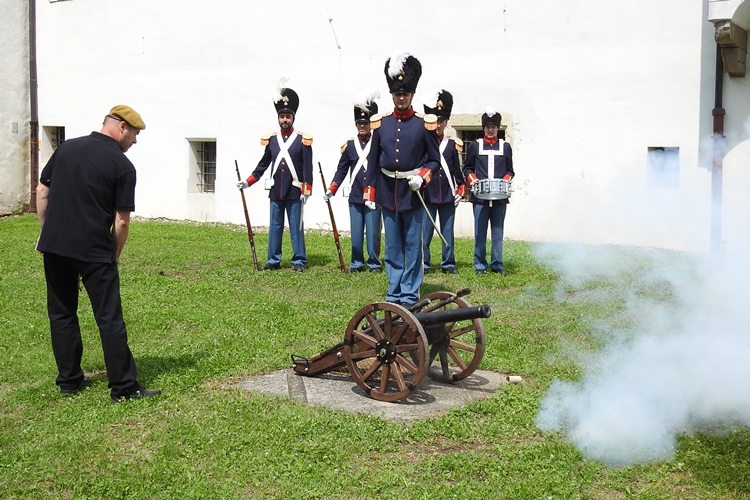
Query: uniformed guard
{"x":289,"y":154}
{"x":364,"y":221}
{"x":489,"y":158}
{"x":447,"y":187}
{"x":403,"y":158}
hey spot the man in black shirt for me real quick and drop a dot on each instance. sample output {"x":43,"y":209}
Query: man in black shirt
{"x":85,"y":195}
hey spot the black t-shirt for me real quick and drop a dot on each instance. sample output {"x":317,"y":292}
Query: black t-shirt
{"x":89,"y":179}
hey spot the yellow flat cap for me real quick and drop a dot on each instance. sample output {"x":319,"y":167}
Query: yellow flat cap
{"x":129,"y":115}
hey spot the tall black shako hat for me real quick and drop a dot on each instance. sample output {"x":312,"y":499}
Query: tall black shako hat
{"x":491,"y":116}
{"x":402,"y":72}
{"x":439,"y":103}
{"x":365,"y":105}
{"x":285,"y":99}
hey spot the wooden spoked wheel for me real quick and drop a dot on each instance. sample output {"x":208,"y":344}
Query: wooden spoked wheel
{"x":457,"y":348}
{"x":385,"y":348}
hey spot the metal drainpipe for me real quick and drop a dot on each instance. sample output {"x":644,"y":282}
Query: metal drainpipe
{"x":718,"y":156}
{"x":34,"y":123}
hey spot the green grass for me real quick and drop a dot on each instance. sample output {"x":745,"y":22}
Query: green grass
{"x":199,"y":318}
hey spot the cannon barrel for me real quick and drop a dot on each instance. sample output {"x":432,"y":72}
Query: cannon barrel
{"x":440,"y":317}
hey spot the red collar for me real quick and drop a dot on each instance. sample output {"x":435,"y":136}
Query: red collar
{"x":491,"y":142}
{"x":364,"y":140}
{"x":440,"y":137}
{"x":286,"y":135}
{"x":403,"y":116}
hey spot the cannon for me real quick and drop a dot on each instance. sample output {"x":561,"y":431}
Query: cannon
{"x":388,"y":349}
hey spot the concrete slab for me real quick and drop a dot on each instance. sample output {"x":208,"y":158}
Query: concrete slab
{"x":340,"y":392}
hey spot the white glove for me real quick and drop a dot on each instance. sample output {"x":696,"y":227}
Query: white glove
{"x":303,"y":198}
{"x":371,"y":205}
{"x":415,"y":182}
{"x":456,"y":200}
{"x":242,"y":185}
{"x":328,"y":195}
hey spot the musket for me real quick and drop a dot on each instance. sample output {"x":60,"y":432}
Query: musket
{"x":435,"y":226}
{"x":333,"y":222}
{"x":247,"y":219}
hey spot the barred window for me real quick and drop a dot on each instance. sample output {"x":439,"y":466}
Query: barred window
{"x":56,"y":137}
{"x":664,"y":166}
{"x":207,"y":167}
{"x":51,"y":138}
{"x":468,"y":135}
{"x":202,"y":166}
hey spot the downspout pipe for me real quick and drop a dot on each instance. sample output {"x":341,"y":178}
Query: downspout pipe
{"x":718,"y":155}
{"x":34,"y":108}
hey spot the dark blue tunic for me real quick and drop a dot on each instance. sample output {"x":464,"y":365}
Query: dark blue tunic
{"x":439,"y":191}
{"x":476,"y":165}
{"x":347,"y":162}
{"x":401,"y":145}
{"x":301,"y":156}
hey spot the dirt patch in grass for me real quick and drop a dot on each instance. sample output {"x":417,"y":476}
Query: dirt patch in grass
{"x":416,"y":451}
{"x":173,"y":274}
{"x":5,"y":388}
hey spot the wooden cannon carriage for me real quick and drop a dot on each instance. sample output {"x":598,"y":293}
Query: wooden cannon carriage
{"x":388,"y":349}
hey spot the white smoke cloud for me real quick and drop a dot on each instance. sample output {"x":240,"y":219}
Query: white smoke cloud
{"x":680,"y":363}
{"x":675,"y":357}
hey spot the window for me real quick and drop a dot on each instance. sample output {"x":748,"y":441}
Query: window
{"x":51,"y":139}
{"x":468,"y":135}
{"x":57,"y":137}
{"x":664,"y":166}
{"x":202,"y":166}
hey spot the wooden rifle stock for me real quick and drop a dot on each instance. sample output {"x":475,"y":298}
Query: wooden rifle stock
{"x":247,"y":219}
{"x":333,"y":221}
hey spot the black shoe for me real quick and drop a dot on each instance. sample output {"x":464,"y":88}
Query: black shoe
{"x":500,"y":271}
{"x":70,"y":391}
{"x":481,"y":271}
{"x":450,"y":270}
{"x":270,"y":267}
{"x":142,"y":392}
{"x":429,"y":270}
{"x":298,"y":268}
{"x":356,"y":270}
{"x":377,"y":270}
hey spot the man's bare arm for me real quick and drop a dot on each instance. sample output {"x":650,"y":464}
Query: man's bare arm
{"x":42,"y":198}
{"x":120,"y":231}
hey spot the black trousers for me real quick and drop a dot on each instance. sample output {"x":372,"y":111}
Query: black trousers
{"x":102,"y":282}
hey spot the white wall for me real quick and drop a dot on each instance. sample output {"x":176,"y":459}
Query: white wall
{"x":14,"y":106}
{"x":590,"y":87}
{"x":735,"y":209}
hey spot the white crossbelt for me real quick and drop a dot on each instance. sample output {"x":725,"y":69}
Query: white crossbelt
{"x":490,"y":154}
{"x":395,"y":174}
{"x":362,"y":162}
{"x":444,"y":164}
{"x":284,"y":155}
